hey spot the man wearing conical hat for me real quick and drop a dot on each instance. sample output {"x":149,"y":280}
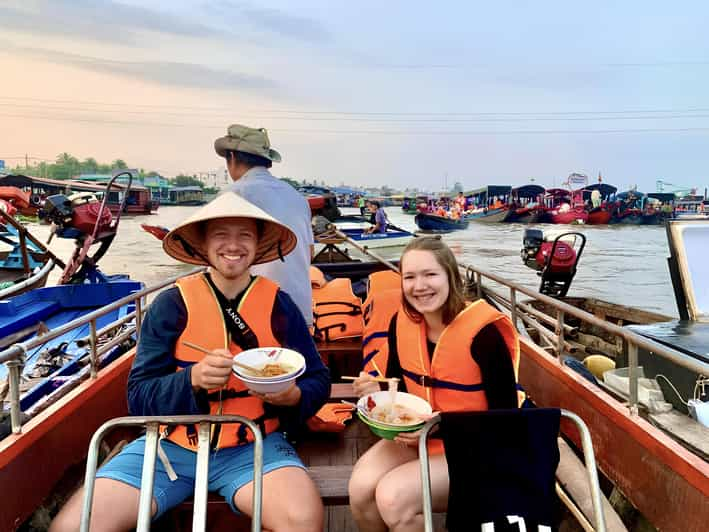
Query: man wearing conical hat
{"x":223,"y":311}
{"x":249,"y":157}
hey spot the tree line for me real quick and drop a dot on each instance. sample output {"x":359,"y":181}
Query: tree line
{"x":66,"y":166}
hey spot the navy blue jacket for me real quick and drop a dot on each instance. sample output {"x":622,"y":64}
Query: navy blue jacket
{"x":156,"y":388}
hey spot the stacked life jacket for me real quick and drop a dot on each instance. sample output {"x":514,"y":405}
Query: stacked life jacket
{"x":337,"y":312}
{"x":206,"y":327}
{"x":450,"y":379}
{"x":383,"y":301}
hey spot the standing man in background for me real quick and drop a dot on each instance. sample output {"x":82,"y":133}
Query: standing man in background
{"x":362,"y":205}
{"x":249,"y":156}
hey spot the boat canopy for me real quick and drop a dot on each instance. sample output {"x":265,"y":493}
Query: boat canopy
{"x":528,"y":191}
{"x":558,"y":192}
{"x":491,"y":190}
{"x":603,"y":188}
{"x":664,"y":197}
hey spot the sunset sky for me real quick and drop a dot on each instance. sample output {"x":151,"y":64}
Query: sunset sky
{"x":366,"y":93}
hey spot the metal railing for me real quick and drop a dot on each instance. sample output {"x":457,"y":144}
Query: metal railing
{"x":14,"y":356}
{"x":152,"y":424}
{"x":557,"y":341}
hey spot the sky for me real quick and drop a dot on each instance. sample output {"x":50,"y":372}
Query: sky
{"x":402,"y":93}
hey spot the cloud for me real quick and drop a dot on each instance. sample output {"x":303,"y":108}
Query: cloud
{"x":239,"y":16}
{"x":170,"y":73}
{"x":101,"y":20}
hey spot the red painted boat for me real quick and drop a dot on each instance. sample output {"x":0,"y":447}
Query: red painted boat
{"x":600,"y":216}
{"x":564,"y":207}
{"x":17,"y":197}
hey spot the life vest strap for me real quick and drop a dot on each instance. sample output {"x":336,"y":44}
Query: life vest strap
{"x":430,"y":382}
{"x":373,"y":336}
{"x":369,"y":356}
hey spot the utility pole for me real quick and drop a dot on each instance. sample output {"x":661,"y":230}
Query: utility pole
{"x":27,"y":161}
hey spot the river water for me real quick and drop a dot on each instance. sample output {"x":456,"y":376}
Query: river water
{"x":621,"y":264}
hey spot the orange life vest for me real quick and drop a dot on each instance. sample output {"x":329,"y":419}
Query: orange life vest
{"x":383,"y":300}
{"x":450,"y":380}
{"x":206,"y":327}
{"x":337,"y":312}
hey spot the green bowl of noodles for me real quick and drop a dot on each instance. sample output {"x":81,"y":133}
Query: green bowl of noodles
{"x":410,"y":413}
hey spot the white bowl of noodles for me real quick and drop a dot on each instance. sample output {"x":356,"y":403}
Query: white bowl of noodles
{"x":280,"y":367}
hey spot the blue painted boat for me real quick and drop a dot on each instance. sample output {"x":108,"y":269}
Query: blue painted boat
{"x":50,"y":365}
{"x":393,"y":237}
{"x":24,"y":265}
{"x":431,"y":222}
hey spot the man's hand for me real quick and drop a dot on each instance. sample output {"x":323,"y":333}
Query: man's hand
{"x":288,"y":397}
{"x":213,"y":370}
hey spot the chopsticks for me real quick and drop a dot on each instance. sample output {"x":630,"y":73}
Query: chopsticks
{"x":208,"y":351}
{"x":377,"y":379}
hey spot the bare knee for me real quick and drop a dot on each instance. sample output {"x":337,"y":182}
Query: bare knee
{"x":361,"y":488}
{"x":393,"y":507}
{"x":301,"y":518}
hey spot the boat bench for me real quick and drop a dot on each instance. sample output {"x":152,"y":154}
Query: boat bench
{"x":342,"y":357}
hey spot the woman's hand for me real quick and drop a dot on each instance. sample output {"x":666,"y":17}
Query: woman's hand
{"x":288,"y":397}
{"x":364,"y":384}
{"x":408,"y":439}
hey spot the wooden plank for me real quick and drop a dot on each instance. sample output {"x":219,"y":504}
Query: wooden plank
{"x":692,"y":433}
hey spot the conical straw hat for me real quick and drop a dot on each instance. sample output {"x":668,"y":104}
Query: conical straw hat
{"x":186,"y":242}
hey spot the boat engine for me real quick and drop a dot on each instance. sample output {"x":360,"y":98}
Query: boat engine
{"x":76,"y":215}
{"x":554,"y":259}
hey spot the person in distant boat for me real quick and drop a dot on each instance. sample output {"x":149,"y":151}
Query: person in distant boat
{"x":249,"y":156}
{"x":225,"y":310}
{"x":457,"y":356}
{"x":362,"y":204}
{"x":460,"y":201}
{"x":380,"y":218}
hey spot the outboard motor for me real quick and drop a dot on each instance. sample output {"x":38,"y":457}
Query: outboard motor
{"x":75,"y":216}
{"x":554,"y":260}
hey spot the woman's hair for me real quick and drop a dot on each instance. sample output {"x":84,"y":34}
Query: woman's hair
{"x":445,"y":258}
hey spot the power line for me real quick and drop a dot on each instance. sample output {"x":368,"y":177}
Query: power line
{"x":380,"y":120}
{"x":378,"y":131}
{"x":259,"y":113}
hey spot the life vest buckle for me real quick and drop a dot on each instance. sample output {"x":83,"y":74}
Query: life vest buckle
{"x":425,"y":381}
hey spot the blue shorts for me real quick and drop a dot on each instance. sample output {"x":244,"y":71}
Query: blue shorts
{"x":229,"y":469}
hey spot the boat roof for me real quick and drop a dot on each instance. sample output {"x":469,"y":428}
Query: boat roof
{"x":558,"y":192}
{"x":528,"y":190}
{"x":662,"y":196}
{"x":491,"y":190}
{"x":604,"y":188}
{"x":186,"y":189}
{"x":21,"y":180}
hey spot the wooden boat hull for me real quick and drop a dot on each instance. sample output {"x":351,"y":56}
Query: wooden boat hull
{"x":599,"y":216}
{"x":379,"y":240}
{"x":431,"y":222}
{"x":524,"y":216}
{"x":490,"y":216}
{"x":32,"y":462}
{"x":569,"y":217}
{"x":665,"y":481}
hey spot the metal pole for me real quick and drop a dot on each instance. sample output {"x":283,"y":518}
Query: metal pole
{"x":426,"y":473}
{"x":590,"y":462}
{"x":199,"y":513}
{"x":633,"y":377}
{"x":145,"y":506}
{"x":15,"y":368}
{"x":560,"y":332}
{"x":479,"y":284}
{"x":513,"y":307}
{"x":138,"y":317}
{"x":94,"y":355}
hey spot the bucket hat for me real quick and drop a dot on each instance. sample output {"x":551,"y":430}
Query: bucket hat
{"x":247,"y":139}
{"x":186,"y":242}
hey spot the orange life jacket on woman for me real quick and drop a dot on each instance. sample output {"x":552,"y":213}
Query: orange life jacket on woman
{"x":383,"y":300}
{"x":206,"y":327}
{"x":337,"y":312}
{"x":450,"y":379}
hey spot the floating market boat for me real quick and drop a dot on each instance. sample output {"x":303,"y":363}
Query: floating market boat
{"x":564,"y":207}
{"x":441,"y":224}
{"x":526,"y":205}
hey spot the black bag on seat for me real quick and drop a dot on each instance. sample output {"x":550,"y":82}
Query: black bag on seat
{"x":501,"y":463}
